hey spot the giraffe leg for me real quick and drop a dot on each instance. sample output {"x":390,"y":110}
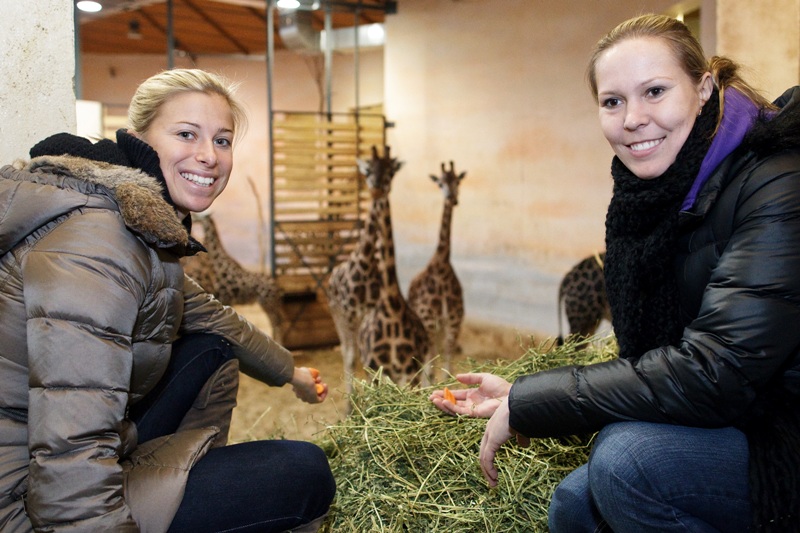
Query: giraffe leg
{"x":348,"y":362}
{"x":276,"y":321}
{"x":450,"y":346}
{"x":429,"y":370}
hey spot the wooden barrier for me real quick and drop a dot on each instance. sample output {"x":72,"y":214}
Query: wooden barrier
{"x":319,"y":205}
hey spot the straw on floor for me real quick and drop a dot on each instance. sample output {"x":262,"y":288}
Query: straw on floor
{"x":401,"y":465}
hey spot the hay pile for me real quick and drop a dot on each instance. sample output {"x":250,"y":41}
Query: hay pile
{"x":401,"y":465}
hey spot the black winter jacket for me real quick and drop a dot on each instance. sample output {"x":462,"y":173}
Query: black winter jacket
{"x":738,"y":272}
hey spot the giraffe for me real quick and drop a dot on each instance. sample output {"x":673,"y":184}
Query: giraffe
{"x":354,"y":284}
{"x":583,"y":293}
{"x":221,"y":275}
{"x":391,"y":335}
{"x":435,"y":293}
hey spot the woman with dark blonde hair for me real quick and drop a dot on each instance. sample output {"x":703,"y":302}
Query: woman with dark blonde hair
{"x":118,"y":374}
{"x":699,"y":417}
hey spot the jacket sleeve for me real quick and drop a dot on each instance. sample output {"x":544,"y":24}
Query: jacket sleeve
{"x":259,"y":356}
{"x":745,"y":332}
{"x":83,"y":288}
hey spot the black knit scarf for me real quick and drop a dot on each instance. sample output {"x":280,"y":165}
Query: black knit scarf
{"x":641,"y":233}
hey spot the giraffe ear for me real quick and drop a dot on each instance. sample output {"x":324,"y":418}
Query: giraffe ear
{"x":398,"y":165}
{"x":461,"y":176}
{"x":363,"y":166}
{"x":434,"y":178}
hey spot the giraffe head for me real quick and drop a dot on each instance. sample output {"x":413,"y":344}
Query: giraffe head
{"x":448,"y":182}
{"x":379,"y":171}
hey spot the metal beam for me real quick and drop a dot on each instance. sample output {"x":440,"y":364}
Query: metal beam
{"x":348,"y":6}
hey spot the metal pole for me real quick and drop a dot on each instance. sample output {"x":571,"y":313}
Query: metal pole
{"x":328,"y":56}
{"x":170,"y":38}
{"x":78,"y":61}
{"x":270,"y":63}
{"x":356,"y":14}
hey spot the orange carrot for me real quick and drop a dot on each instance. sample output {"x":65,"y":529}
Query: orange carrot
{"x":320,"y":388}
{"x":449,"y":396}
{"x":314,"y":372}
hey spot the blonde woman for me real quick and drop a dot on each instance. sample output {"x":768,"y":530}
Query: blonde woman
{"x":118,"y":374}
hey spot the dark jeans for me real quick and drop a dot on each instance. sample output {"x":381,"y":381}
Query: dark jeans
{"x":645,"y":477}
{"x":260,"y":486}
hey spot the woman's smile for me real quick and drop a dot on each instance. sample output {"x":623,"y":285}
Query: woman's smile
{"x":198,"y":180}
{"x":645,"y":145}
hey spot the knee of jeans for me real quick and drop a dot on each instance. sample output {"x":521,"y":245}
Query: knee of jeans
{"x":194,"y":343}
{"x":324,"y":475}
{"x":315,"y":472}
{"x":558,"y":513}
{"x":613,"y":462}
{"x":570,"y":504}
{"x":223,"y":348}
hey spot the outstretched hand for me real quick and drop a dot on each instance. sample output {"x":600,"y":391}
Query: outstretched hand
{"x":308,"y":385}
{"x":488,"y":400}
{"x":478,"y":402}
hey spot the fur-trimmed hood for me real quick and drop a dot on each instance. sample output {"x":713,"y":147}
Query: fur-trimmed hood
{"x":35,"y":192}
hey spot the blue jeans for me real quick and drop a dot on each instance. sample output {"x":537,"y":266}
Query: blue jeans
{"x":259,"y":486}
{"x":644,"y":477}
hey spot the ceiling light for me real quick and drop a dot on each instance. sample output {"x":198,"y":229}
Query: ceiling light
{"x":89,"y":6}
{"x":376,"y":33}
{"x":292,"y":5}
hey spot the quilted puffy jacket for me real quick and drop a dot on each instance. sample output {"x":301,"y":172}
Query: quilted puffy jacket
{"x":91,"y":297}
{"x":738,"y":272}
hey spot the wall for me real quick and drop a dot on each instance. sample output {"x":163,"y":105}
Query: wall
{"x":764,"y":37}
{"x":36,"y":74}
{"x":499,"y":88}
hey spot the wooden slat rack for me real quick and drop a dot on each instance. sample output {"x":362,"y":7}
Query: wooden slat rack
{"x":319,"y":202}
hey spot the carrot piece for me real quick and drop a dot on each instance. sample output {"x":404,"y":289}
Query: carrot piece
{"x":314,"y":372}
{"x":449,"y":396}
{"x":320,"y":388}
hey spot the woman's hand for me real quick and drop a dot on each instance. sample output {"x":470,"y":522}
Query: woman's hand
{"x":480,"y":402}
{"x":496,"y":433}
{"x":308,"y":385}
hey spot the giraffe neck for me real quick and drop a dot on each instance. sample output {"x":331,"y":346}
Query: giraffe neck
{"x":216,"y":252}
{"x":390,"y":288}
{"x":369,"y":236}
{"x":443,"y":248}
{"x":210,"y":236}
